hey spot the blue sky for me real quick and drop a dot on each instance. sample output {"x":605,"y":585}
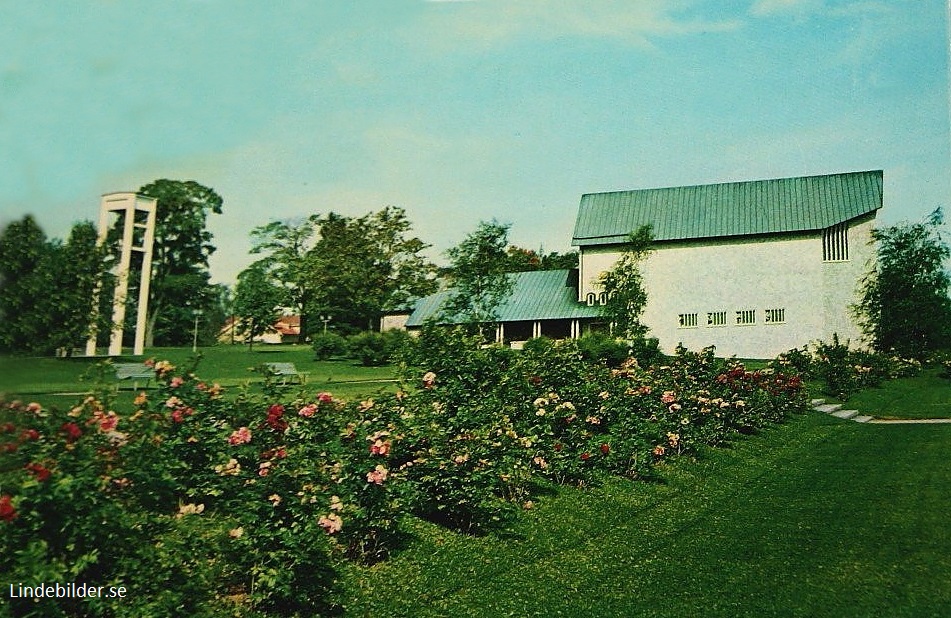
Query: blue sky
{"x":461,"y":111}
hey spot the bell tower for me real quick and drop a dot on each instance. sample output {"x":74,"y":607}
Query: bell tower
{"x":137,"y":215}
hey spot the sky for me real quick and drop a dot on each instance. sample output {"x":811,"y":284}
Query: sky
{"x":461,"y":111}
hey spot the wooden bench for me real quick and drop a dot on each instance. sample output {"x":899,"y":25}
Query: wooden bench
{"x":287,"y":372}
{"x":135,"y":372}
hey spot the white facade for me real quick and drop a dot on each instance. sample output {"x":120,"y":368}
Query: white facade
{"x":750,"y":296}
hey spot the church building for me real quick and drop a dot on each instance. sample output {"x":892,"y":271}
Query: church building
{"x":754,"y":268}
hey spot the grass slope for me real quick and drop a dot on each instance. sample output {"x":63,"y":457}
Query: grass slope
{"x":819,"y":517}
{"x":927,"y":395}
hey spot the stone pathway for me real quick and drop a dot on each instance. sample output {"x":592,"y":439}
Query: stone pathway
{"x":835,"y":409}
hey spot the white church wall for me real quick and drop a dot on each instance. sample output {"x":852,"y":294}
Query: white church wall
{"x":700,"y":292}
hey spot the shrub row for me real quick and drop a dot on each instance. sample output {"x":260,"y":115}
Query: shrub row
{"x":242,"y":506}
{"x":370,"y":348}
{"x":843,"y":371}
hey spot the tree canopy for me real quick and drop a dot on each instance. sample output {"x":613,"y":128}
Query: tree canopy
{"x":521,"y":259}
{"x":346,"y":268}
{"x":904,"y":303}
{"x":47,"y":286}
{"x":478,"y":273}
{"x":180,"y":278}
{"x":257,"y":301}
{"x":624,"y":287}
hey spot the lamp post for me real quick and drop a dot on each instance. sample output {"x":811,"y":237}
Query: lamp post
{"x":325,"y":319}
{"x":198,"y":313}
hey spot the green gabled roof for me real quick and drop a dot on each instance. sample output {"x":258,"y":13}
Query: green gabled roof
{"x":728,"y":209}
{"x":536,"y":295}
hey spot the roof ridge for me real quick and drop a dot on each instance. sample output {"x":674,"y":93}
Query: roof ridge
{"x":735,"y":182}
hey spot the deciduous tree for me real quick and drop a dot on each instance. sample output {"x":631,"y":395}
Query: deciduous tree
{"x":180,"y":256}
{"x":257,"y":301}
{"x":23,"y":246}
{"x":904,"y":302}
{"x":478,"y":274}
{"x":624,"y":287}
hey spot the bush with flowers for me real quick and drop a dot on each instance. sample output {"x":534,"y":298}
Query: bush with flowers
{"x":842,"y":370}
{"x":243,"y":505}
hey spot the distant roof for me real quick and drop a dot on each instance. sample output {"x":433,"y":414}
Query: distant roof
{"x":536,"y":295}
{"x":728,"y":209}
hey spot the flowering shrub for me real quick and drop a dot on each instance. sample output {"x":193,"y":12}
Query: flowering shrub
{"x":845,"y":371}
{"x":244,"y":504}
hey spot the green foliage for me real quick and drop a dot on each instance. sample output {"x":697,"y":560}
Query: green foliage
{"x":247,"y":505}
{"x":286,"y":245}
{"x":905,"y":306}
{"x":328,"y":345}
{"x":478,"y":274}
{"x":180,"y":278}
{"x":47,"y":287}
{"x":603,"y":348}
{"x":375,"y":349}
{"x":346,"y":268}
{"x":624,"y":286}
{"x":521,"y":260}
{"x":844,"y":371}
{"x":257,"y":302}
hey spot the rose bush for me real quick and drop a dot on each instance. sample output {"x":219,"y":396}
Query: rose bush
{"x":244,"y":504}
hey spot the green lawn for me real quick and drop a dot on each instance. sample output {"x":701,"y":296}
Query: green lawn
{"x":43,"y":378}
{"x":925,"y":396}
{"x":819,"y":517}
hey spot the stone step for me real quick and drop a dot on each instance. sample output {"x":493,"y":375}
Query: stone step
{"x":828,"y":408}
{"x":845,"y":414}
{"x":817,"y":402}
{"x":862,"y":418}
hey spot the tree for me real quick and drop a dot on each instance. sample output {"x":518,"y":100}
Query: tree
{"x":75,"y":269}
{"x":47,"y":286}
{"x":286,"y":245}
{"x":346,"y":268}
{"x":180,"y":278}
{"x":624,"y":287}
{"x":904,"y":304}
{"x":257,"y":301}
{"x":23,"y":246}
{"x":478,"y":275}
{"x":521,"y":260}
{"x":359,"y":266}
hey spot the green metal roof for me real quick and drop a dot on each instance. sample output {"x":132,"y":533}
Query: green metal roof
{"x":729,"y":209}
{"x":536,"y":295}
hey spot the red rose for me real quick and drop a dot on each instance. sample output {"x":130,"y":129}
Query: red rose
{"x":585,"y":456}
{"x":605,"y":449}
{"x":37,"y":470}
{"x":72,"y":431}
{"x":7,"y":512}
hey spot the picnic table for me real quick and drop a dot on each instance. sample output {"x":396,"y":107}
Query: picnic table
{"x":287,"y":372}
{"x":135,"y":372}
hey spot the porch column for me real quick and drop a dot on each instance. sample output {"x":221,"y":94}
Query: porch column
{"x":500,"y":333}
{"x":574,"y":329}
{"x":536,"y":328}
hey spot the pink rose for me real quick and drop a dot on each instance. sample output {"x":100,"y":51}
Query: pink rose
{"x":240,"y":436}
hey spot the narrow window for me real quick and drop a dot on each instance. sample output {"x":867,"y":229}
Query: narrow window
{"x":835,"y":243}
{"x":746,"y":316}
{"x":603,"y":298}
{"x":591,"y":298}
{"x":688,"y":320}
{"x":716,"y":318}
{"x":775,"y":316}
